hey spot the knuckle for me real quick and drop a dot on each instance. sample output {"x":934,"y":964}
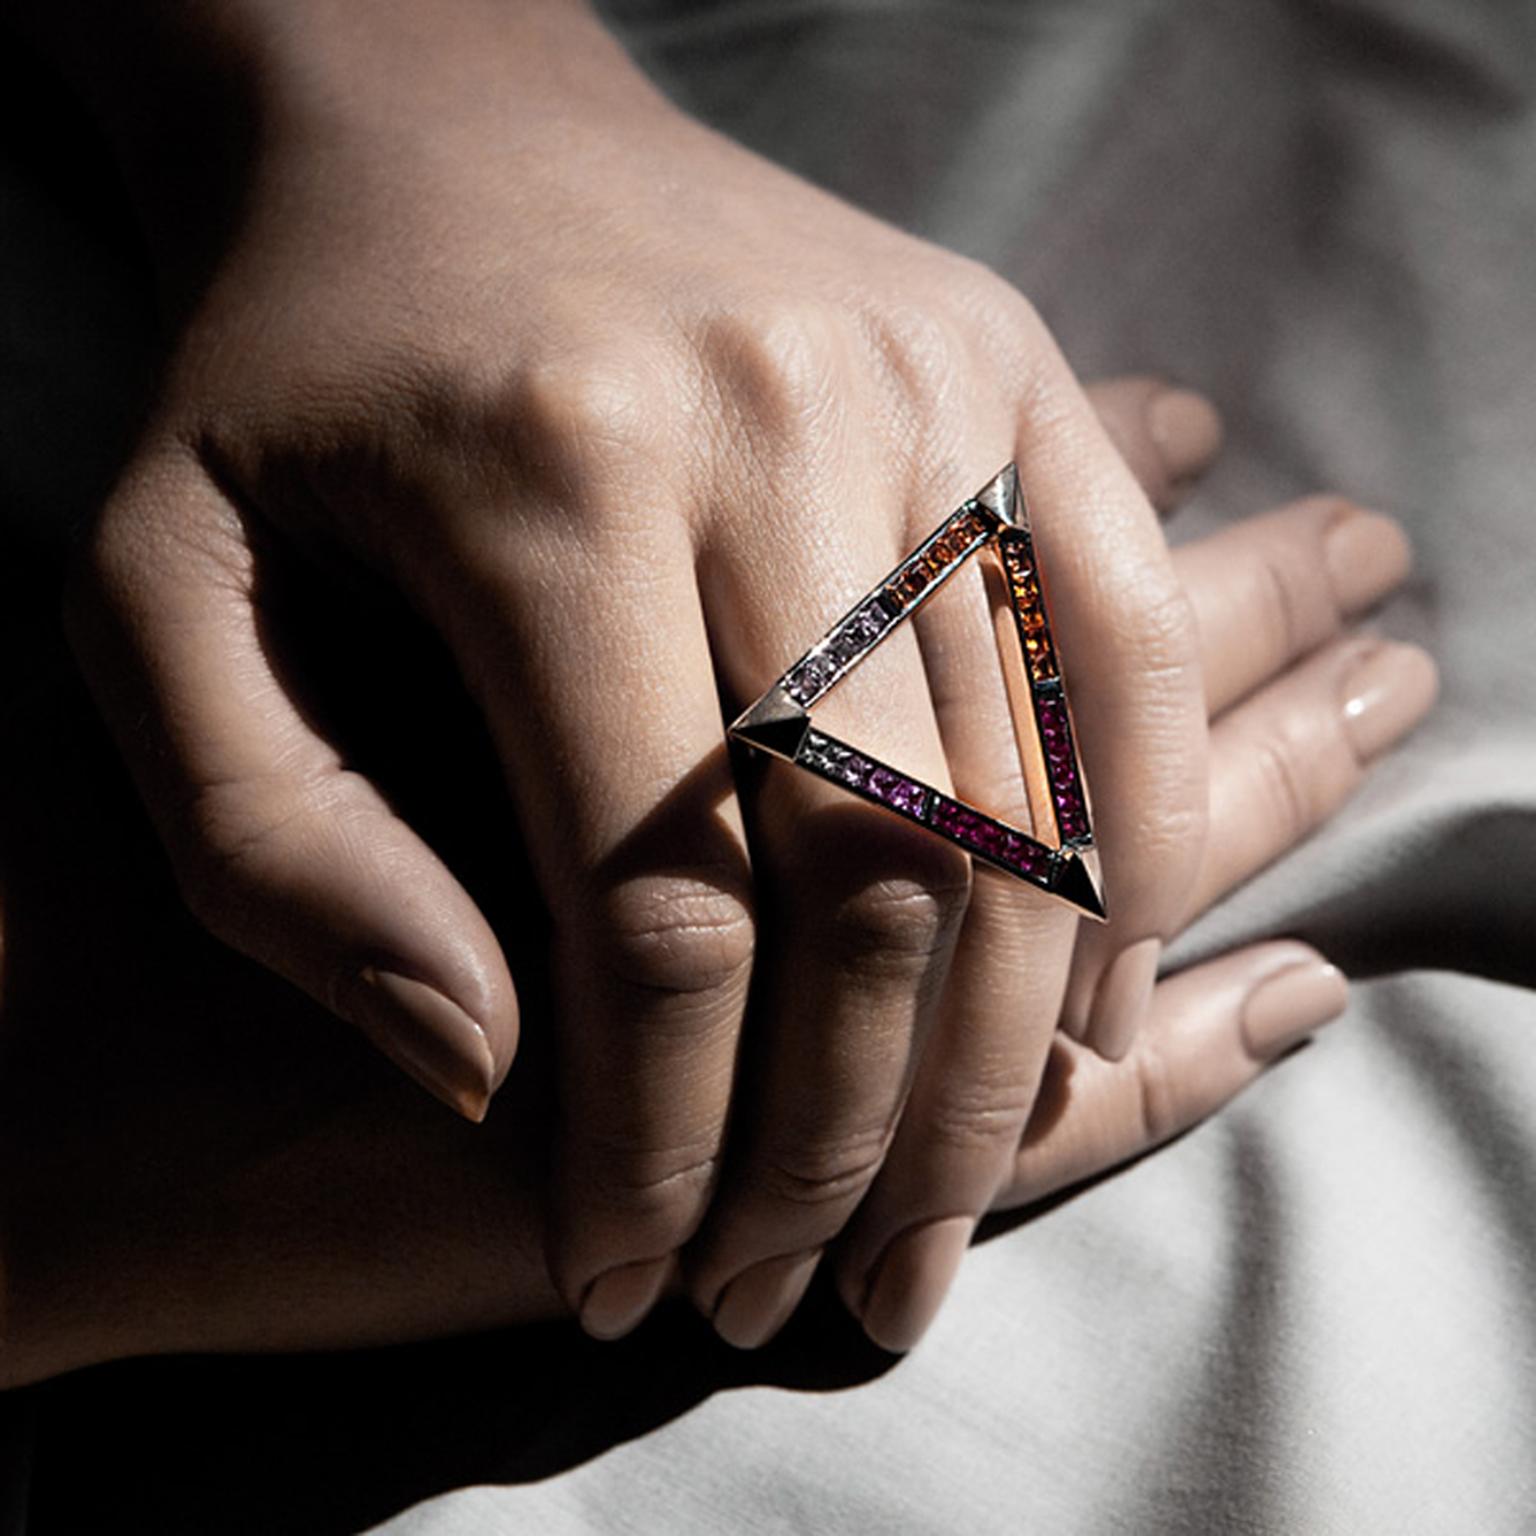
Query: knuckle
{"x":824,"y":1173}
{"x":663,"y":1186}
{"x":568,"y":421}
{"x":1006,"y":326}
{"x":780,"y":363}
{"x":228,"y":834}
{"x":1286,"y":603}
{"x":1280,"y":769}
{"x":1160,"y":626}
{"x":924,"y":355}
{"x":1157,"y":1095}
{"x":674,"y":934}
{"x":982,"y":1117}
{"x":901,"y":925}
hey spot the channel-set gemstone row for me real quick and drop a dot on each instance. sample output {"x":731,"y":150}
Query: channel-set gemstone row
{"x":1028,"y":606}
{"x":1050,"y":701}
{"x":973,"y":830}
{"x":913,"y":582}
{"x":857,"y":632}
{"x":1061,"y":764}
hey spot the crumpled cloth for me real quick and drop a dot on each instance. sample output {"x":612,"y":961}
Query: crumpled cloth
{"x":1315,"y":1313}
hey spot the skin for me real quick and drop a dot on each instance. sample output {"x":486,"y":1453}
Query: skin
{"x":287,"y":1192}
{"x":620,"y":415}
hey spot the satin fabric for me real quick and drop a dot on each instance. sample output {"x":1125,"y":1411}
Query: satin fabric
{"x":1315,"y":1312}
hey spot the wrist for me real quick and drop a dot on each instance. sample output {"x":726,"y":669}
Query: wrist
{"x":193,"y":98}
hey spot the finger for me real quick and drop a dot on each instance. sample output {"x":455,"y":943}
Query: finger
{"x":1209,"y":1033}
{"x":980,"y":1069}
{"x":279,"y":848}
{"x":1168,"y":437}
{"x":1132,"y":667}
{"x":1287,"y":758}
{"x":981,"y":1065}
{"x":866,"y":908}
{"x":1270,"y":589}
{"x":584,"y":642}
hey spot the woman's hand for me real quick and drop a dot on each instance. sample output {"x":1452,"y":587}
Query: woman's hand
{"x":628,"y":416}
{"x":281,"y":1196}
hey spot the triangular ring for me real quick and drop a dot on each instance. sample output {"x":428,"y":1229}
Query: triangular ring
{"x":992,"y":525}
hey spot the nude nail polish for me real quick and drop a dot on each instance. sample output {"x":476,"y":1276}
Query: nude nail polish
{"x":911,"y":1281}
{"x":1367,"y":555}
{"x":1286,"y":1007}
{"x":1186,"y":431}
{"x":617,"y":1301}
{"x":759,"y":1301}
{"x":426,"y":1036}
{"x":1121,"y":998}
{"x":1386,"y":693}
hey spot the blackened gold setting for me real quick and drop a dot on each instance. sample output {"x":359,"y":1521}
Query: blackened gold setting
{"x":992,"y":525}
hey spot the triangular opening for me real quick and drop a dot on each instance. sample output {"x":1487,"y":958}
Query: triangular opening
{"x":1054,"y":851}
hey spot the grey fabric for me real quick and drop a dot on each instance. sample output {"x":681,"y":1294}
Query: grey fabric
{"x":1315,"y":1313}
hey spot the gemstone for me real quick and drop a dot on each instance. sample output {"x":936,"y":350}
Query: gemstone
{"x":988,"y":837}
{"x":811,"y":677}
{"x":1021,"y":854}
{"x":896,"y":791}
{"x":871,"y":621}
{"x":950,"y":817}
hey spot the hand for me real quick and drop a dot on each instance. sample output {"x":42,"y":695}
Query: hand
{"x":627,"y":416}
{"x":291,"y":1199}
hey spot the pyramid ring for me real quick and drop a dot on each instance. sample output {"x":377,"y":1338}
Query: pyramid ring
{"x":1056,"y":855}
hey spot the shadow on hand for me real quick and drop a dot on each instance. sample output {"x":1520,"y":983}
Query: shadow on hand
{"x":136,"y":1055}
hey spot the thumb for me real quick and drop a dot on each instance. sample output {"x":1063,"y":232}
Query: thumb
{"x":279,"y":848}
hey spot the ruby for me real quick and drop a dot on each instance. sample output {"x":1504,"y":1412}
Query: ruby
{"x":955,"y":819}
{"x":1022,"y":855}
{"x":988,"y":837}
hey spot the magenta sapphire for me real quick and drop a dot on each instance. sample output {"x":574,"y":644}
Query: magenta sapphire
{"x":990,"y":838}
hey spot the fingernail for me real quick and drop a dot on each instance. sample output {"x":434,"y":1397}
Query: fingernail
{"x":1120,"y":1003}
{"x":617,"y":1301}
{"x":758,"y":1302}
{"x":911,"y":1281}
{"x":1387,"y":692}
{"x":426,"y":1036}
{"x":1285,"y":1008}
{"x":1186,"y":430}
{"x":1367,"y":555}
